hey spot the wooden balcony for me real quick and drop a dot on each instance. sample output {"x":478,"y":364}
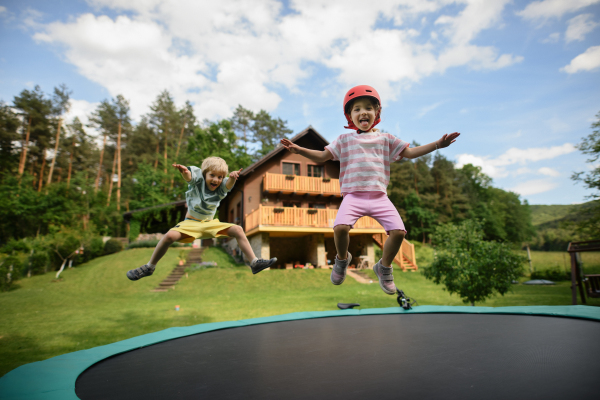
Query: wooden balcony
{"x":288,"y":184}
{"x":305,"y":219}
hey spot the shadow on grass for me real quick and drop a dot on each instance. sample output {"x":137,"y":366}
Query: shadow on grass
{"x":16,"y":350}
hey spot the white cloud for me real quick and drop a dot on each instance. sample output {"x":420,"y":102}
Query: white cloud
{"x":225,"y":53}
{"x":534,"y":187}
{"x":3,"y":10}
{"x":496,"y":167}
{"x":549,"y":172}
{"x":584,"y":62}
{"x":546,"y":9}
{"x":80,"y":109}
{"x":552,"y":38}
{"x":429,"y":108}
{"x":580,"y":26}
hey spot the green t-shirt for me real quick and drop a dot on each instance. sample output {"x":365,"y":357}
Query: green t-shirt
{"x":201,"y":201}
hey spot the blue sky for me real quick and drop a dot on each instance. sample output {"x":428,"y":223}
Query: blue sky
{"x":519,"y":79}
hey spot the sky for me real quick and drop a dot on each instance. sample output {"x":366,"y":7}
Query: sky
{"x":519,"y":80}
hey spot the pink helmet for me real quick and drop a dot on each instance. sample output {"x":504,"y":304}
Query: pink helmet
{"x":356,"y":92}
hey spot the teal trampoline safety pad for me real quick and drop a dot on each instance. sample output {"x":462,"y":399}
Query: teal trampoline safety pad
{"x":54,"y":379}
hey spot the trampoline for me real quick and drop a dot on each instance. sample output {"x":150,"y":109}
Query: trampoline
{"x":430,"y":352}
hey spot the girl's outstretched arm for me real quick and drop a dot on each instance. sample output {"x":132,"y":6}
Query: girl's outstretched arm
{"x":314,"y":155}
{"x":419,"y":151}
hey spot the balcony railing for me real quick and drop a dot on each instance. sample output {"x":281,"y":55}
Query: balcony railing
{"x":276,"y":183}
{"x":301,"y":217}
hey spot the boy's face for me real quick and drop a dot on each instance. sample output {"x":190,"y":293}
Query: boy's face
{"x":213,"y":180}
{"x":363,"y":113}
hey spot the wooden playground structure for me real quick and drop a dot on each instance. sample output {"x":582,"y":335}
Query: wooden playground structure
{"x":591,"y":282}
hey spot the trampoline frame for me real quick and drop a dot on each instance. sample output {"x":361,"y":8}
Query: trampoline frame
{"x":55,"y":377}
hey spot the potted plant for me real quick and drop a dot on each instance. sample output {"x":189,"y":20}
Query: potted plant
{"x":326,"y":179}
{"x":182,"y":257}
{"x":278,"y":210}
{"x":290,"y":177}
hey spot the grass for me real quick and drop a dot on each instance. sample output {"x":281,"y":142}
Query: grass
{"x":94,"y":304}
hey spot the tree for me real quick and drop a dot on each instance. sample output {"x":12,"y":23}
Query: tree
{"x":590,"y":145}
{"x":469,"y":266}
{"x":9,"y":125}
{"x":241,"y":122}
{"x":267,"y":131}
{"x":105,"y":119}
{"x":60,"y":105}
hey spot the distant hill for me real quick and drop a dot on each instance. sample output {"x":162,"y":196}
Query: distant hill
{"x":554,"y":227}
{"x":550,"y":216}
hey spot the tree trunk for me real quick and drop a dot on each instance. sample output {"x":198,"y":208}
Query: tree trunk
{"x":70,"y":164}
{"x":119,"y":168}
{"x":157,"y":155}
{"x":24,"y":150}
{"x":166,"y":142}
{"x":100,"y":166}
{"x":61,"y":268}
{"x":55,"y":152}
{"x":41,"y":181}
{"x":177,"y":152}
{"x":111,"y":180}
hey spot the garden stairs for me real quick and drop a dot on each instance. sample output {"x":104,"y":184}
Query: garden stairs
{"x":401,"y":258}
{"x":193,"y":257}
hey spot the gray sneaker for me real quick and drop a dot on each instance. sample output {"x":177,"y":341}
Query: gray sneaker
{"x":261,"y":264}
{"x":386,"y":279}
{"x":140,"y":272}
{"x":338,"y":273}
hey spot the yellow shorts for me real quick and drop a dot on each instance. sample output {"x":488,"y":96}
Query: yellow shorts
{"x":201,"y":229}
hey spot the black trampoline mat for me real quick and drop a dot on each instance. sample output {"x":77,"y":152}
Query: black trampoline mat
{"x":393,"y":356}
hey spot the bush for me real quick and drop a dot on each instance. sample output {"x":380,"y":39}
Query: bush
{"x":554,"y":274}
{"x":9,"y":272}
{"x":37,"y":263}
{"x":112,"y":246}
{"x":469,"y":266}
{"x":94,"y":249}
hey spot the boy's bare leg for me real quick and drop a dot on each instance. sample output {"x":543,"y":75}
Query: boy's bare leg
{"x":392,"y":246}
{"x":341,"y":235}
{"x":256,"y":264}
{"x":164,"y":244}
{"x":237,"y":232}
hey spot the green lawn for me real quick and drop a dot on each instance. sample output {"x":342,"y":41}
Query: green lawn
{"x":95,"y":304}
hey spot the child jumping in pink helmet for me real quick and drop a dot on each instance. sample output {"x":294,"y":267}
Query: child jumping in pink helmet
{"x":365,"y":157}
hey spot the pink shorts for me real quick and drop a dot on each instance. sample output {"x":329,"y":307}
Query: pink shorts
{"x":371,"y":204}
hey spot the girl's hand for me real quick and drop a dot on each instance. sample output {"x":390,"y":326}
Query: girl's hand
{"x":185,"y":172}
{"x":235,"y":174}
{"x":290,"y":146}
{"x":447,"y":140}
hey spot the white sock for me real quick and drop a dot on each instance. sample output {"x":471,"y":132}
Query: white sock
{"x":253,"y":261}
{"x":151,"y":265}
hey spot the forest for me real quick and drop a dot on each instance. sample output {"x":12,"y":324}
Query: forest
{"x":60,"y":176}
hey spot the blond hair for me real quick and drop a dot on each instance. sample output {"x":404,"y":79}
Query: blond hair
{"x":214,"y":165}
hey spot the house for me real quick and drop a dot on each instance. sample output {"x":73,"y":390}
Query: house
{"x":287,"y":205}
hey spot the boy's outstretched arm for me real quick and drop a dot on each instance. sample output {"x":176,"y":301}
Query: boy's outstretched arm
{"x":185,"y":172}
{"x":314,"y":155}
{"x":419,"y":151}
{"x":233,"y":177}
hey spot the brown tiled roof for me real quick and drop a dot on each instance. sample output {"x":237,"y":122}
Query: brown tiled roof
{"x":280,"y":148}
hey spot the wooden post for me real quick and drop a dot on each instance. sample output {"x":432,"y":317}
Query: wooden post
{"x":55,"y":152}
{"x":579,"y":281}
{"x":573,"y":279}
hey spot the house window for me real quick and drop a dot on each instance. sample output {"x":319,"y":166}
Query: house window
{"x":290,"y":168}
{"x":315,"y":171}
{"x":292,"y":204}
{"x":317,"y":205}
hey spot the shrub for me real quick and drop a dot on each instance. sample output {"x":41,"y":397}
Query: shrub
{"x":554,"y":274}
{"x":37,"y":262}
{"x":150,"y":243}
{"x":9,"y":272}
{"x":94,"y":249}
{"x":112,"y":246}
{"x":469,"y":266}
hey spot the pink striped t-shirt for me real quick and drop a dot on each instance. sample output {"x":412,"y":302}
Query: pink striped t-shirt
{"x":365,"y":159}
